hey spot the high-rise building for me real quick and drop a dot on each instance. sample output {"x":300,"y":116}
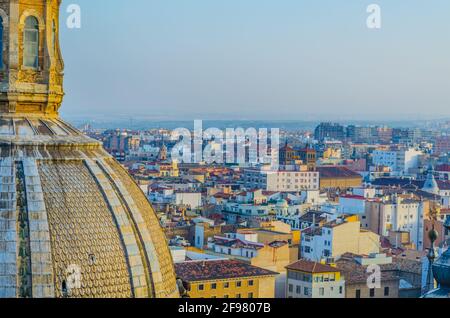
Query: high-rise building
{"x":442,"y":145}
{"x":329,"y":131}
{"x":121,"y":141}
{"x":400,"y":161}
{"x":361,"y":134}
{"x":73,"y":223}
{"x":384,"y":134}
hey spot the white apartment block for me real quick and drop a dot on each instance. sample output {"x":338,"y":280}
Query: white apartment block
{"x":337,"y":238}
{"x":397,"y":214}
{"x":282,"y":180}
{"x":170,"y":196}
{"x":399,"y":161}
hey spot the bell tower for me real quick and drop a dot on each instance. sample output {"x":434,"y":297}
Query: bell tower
{"x":31,"y":64}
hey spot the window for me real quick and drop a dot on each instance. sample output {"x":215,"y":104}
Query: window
{"x":340,"y":290}
{"x":291,"y":288}
{"x":54,"y":35}
{"x":321,"y":291}
{"x":386,"y":291}
{"x":201,"y":287}
{"x":250,"y":295}
{"x":238,"y":295}
{"x":1,"y":42}
{"x":358,"y":293}
{"x":306,"y":291}
{"x":250,"y":283}
{"x":213,"y":286}
{"x":298,"y":290}
{"x":226,"y":285}
{"x":31,"y":43}
{"x":226,"y":296}
{"x":238,"y":284}
{"x":64,"y":288}
{"x":372,"y":292}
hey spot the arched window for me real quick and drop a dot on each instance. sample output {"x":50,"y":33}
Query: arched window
{"x":54,"y":36}
{"x":1,"y":42}
{"x":31,"y":43}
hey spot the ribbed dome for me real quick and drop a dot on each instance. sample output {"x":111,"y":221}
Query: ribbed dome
{"x":441,"y":272}
{"x":72,"y":211}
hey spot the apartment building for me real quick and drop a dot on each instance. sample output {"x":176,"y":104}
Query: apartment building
{"x":306,"y":279}
{"x":338,"y":237}
{"x":400,"y":161}
{"x":292,"y":179}
{"x":398,"y":214}
{"x":358,"y":280}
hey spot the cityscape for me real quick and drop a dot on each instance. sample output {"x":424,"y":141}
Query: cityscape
{"x":303,"y":186}
{"x":344,"y":199}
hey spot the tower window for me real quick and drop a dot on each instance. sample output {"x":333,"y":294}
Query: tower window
{"x":54,"y":36}
{"x":31,"y":43}
{"x":1,"y":43}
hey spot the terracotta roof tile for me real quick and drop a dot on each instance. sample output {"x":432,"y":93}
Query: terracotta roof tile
{"x":218,"y":269}
{"x":311,"y":267}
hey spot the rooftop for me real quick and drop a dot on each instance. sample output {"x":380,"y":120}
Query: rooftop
{"x":403,"y":182}
{"x":337,"y":172}
{"x":311,"y":267}
{"x":194,"y":271}
{"x":356,"y":273}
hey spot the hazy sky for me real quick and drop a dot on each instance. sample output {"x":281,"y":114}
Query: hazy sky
{"x":257,"y":59}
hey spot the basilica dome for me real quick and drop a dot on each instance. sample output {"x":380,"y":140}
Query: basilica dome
{"x":73,"y":223}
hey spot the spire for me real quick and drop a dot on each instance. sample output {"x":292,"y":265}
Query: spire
{"x":430,"y":283}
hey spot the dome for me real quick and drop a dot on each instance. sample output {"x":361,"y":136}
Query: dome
{"x":282,"y":204}
{"x":441,"y":272}
{"x":441,"y":269}
{"x":73,"y":223}
{"x":72,"y":211}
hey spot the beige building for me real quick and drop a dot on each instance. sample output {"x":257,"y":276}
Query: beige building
{"x":358,"y":281}
{"x":225,"y":279}
{"x":295,"y":178}
{"x":336,"y":177}
{"x":306,"y":279}
{"x":336,"y":238}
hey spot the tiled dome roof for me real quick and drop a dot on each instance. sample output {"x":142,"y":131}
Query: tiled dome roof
{"x":82,"y":227}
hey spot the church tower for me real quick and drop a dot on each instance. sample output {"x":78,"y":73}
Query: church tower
{"x":73,"y":223}
{"x":31,"y":65}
